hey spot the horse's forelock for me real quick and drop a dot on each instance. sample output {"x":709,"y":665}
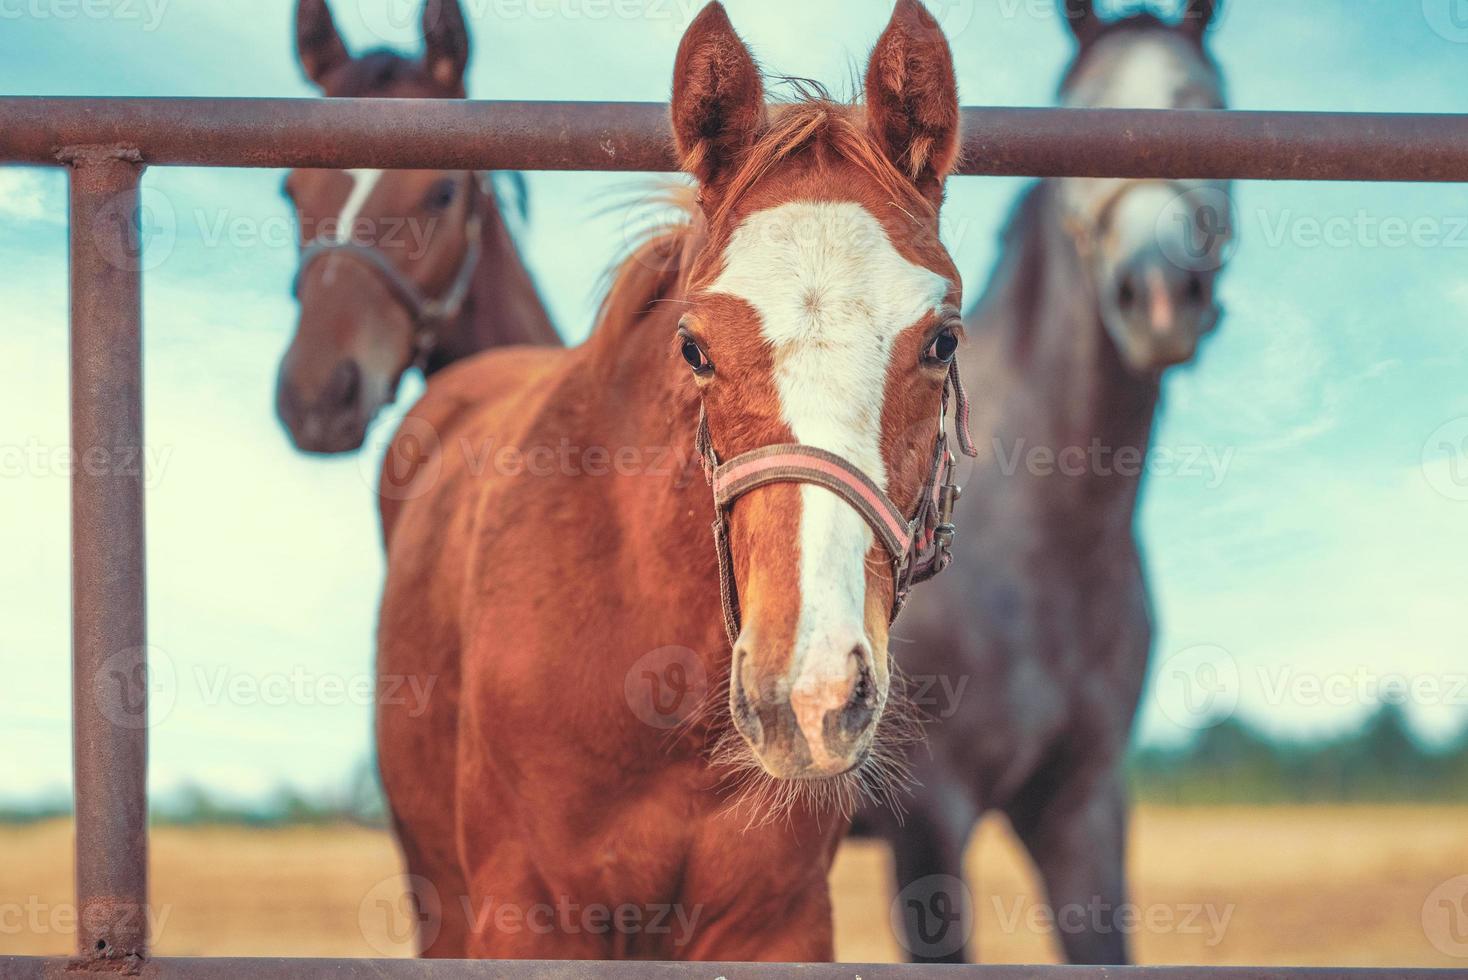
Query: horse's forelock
{"x":819,"y":124}
{"x":1139,"y":25}
{"x":655,"y":266}
{"x":370,"y":74}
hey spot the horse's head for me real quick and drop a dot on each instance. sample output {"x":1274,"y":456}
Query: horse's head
{"x":822,"y":311}
{"x":1153,"y":248}
{"x":386,"y":255}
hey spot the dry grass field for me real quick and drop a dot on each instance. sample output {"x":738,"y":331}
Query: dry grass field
{"x":1264,"y":886}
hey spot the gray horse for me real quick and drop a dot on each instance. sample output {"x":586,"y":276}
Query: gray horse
{"x":1029,"y":656}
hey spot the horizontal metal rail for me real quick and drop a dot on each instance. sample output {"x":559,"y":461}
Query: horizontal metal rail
{"x":235,"y":968}
{"x":464,"y":135}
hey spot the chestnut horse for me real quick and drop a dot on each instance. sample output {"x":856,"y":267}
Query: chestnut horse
{"x":801,"y":327}
{"x":398,"y":268}
{"x":1031,"y":655}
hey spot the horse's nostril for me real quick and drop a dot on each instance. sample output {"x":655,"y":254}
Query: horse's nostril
{"x":1126,"y":293}
{"x":286,"y":402}
{"x":862,"y":692}
{"x":1195,"y":288}
{"x":861,"y":704}
{"x":346,"y":384}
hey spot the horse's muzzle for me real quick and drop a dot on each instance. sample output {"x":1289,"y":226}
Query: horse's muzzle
{"x":333,"y":421}
{"x":821,"y":724}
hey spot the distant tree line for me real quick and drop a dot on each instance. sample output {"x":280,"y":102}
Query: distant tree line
{"x":1226,"y":763}
{"x":1230,"y":762}
{"x":358,"y":801}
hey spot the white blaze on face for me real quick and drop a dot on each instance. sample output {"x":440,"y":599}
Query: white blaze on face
{"x":1155,"y":70}
{"x":832,"y":294}
{"x":363,"y":184}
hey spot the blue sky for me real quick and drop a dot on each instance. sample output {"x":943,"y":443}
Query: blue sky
{"x":1320,"y":560}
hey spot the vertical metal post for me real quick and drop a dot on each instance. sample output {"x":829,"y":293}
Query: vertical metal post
{"x":109,"y":658}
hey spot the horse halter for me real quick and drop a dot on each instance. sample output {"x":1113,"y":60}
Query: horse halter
{"x":429,"y":314}
{"x":1086,"y":233}
{"x":919,"y":546}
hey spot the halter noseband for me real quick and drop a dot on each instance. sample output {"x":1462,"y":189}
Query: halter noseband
{"x":919,"y":546}
{"x":429,"y":314}
{"x":1100,"y":216}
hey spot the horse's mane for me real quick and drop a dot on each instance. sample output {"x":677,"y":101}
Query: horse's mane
{"x":656,"y":267}
{"x":652,"y":269}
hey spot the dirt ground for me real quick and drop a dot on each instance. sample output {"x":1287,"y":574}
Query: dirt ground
{"x":1360,"y":886}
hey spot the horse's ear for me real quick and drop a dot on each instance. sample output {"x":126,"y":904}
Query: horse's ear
{"x":1198,"y":15}
{"x":446,"y":40}
{"x":1084,"y":22}
{"x":912,"y":97}
{"x":718,"y":98}
{"x":318,"y":44}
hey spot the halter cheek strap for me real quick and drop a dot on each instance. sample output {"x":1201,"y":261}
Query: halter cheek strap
{"x":918,"y":546}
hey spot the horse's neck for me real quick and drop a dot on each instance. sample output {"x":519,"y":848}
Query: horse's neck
{"x":1067,"y":389}
{"x":640,"y":400}
{"x":503,"y":307}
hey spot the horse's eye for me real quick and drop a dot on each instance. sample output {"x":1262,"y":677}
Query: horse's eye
{"x":943,"y":347}
{"x":693,"y":354}
{"x":441,"y":195}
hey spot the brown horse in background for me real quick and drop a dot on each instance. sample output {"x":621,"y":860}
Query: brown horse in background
{"x":399,"y":268}
{"x":1031,"y":654}
{"x":807,"y":306}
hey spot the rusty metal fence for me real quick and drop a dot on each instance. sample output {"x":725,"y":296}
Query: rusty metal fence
{"x":105,"y":145}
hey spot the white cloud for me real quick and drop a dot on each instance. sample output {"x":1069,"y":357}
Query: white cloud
{"x":29,"y":194}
